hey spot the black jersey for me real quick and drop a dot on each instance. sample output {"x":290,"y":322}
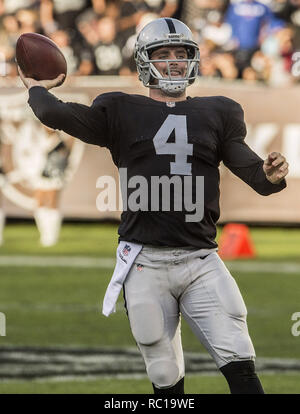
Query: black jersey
{"x":180,"y":142}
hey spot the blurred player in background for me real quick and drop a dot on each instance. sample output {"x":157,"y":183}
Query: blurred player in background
{"x":48,"y":186}
{"x":34,"y":160}
{"x":167,"y":259}
{"x":2,"y":214}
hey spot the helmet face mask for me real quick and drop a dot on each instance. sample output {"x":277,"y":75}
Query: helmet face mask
{"x":166,"y":32}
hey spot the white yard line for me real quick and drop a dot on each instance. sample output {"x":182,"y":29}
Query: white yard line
{"x":264,"y":267}
{"x":57,"y":261}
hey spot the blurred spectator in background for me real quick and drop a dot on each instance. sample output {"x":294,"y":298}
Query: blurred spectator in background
{"x":28,"y":20}
{"x":9,"y":34}
{"x":273,"y":62}
{"x":194,"y":12}
{"x":62,"y":39}
{"x":64,"y":12}
{"x":108,"y":55}
{"x":248,"y":19}
{"x":162,"y":8}
{"x":216,"y":64}
{"x":289,"y":12}
{"x":86,"y":23}
{"x":244,"y":39}
{"x":127,"y":16}
{"x":216,"y":30}
{"x":11,"y":6}
{"x":214,"y":42}
{"x":48,"y":23}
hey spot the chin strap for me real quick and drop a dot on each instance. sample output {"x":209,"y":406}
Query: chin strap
{"x":172,"y":87}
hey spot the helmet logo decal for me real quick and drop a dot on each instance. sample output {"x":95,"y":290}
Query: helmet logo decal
{"x":170,"y":25}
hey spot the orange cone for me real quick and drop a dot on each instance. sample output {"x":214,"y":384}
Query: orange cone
{"x":235,"y":242}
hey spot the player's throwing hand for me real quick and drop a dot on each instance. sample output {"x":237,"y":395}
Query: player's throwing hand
{"x":48,"y":84}
{"x":275,"y":167}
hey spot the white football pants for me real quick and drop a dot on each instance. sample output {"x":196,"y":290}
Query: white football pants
{"x":166,"y":282}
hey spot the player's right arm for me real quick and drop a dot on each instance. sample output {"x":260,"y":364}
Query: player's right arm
{"x":88,"y":123}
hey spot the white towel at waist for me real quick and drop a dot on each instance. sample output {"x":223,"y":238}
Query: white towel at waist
{"x":126,"y":254}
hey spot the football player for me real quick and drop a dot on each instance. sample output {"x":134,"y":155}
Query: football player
{"x":167,"y":259}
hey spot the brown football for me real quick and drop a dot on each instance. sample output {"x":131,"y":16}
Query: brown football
{"x":39,"y":57}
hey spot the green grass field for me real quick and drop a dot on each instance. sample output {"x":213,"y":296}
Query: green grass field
{"x":201,"y":384}
{"x":54,"y":305}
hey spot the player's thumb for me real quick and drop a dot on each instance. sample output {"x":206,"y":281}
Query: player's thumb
{"x":270,"y":159}
{"x":55,"y":82}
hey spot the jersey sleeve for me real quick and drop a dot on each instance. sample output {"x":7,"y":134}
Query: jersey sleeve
{"x":88,"y":123}
{"x":239,"y":157}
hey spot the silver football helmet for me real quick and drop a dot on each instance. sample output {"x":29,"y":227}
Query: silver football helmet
{"x":159,"y":33}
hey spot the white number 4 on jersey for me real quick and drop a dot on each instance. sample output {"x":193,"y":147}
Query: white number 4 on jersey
{"x":180,"y":148}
